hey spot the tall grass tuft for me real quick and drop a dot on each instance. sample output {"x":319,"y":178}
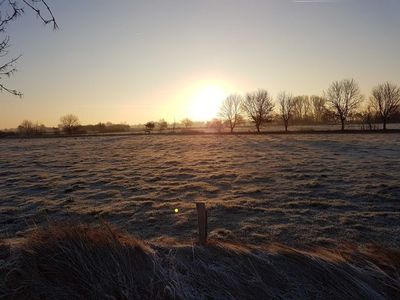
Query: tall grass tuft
{"x":81,"y":262}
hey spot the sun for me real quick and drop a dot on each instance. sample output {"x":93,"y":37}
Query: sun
{"x":205,"y":102}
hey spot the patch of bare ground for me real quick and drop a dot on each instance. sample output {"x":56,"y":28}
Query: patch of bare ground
{"x":75,"y":261}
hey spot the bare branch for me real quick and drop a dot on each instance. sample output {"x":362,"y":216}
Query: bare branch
{"x":33,"y":5}
{"x":13,"y":92}
{"x":10,"y":10}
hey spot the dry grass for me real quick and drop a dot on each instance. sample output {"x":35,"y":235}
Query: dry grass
{"x":80,"y":262}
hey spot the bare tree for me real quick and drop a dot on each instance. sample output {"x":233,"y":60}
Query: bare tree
{"x":298,"y":108}
{"x":69,"y":123}
{"x":258,"y":107}
{"x":344,"y":97}
{"x":230,"y":110}
{"x":367,"y":117}
{"x":39,"y":128}
{"x":319,"y":109}
{"x":187,"y":122}
{"x":10,"y":10}
{"x":386,"y":100}
{"x":162,"y":125}
{"x":216,"y":124}
{"x":26,"y":127}
{"x":149,"y":126}
{"x":302,"y":108}
{"x":286,"y":106}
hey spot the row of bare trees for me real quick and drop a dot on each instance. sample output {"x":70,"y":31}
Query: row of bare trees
{"x":28,"y":127}
{"x":310,"y":109}
{"x":68,"y":123}
{"x":257,"y":105}
{"x":163,"y":125}
{"x":341,"y":102}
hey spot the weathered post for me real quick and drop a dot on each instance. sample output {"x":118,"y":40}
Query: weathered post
{"x":202,"y":222}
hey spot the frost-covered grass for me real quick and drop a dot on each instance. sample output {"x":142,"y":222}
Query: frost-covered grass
{"x":295,"y":189}
{"x":68,"y":261}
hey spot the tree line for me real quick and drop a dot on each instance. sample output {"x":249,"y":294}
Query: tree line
{"x":69,"y":124}
{"x":341,"y":102}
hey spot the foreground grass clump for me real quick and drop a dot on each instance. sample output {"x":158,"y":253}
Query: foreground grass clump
{"x":68,"y":262}
{"x":82,"y":262}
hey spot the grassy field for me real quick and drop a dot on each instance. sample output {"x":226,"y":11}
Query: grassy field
{"x":298,"y":189}
{"x":305,"y":216}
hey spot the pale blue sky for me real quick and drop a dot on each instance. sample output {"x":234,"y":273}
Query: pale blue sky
{"x":134,"y":61}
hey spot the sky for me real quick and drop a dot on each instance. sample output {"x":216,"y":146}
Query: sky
{"x":136,"y":61}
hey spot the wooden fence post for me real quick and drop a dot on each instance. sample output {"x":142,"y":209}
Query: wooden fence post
{"x":202,"y":222}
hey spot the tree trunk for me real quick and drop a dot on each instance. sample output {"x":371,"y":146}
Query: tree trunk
{"x":342,"y":121}
{"x":258,"y":128}
{"x":231,"y":129}
{"x":384,"y":123}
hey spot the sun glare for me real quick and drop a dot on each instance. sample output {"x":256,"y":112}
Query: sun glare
{"x":205,"y":102}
